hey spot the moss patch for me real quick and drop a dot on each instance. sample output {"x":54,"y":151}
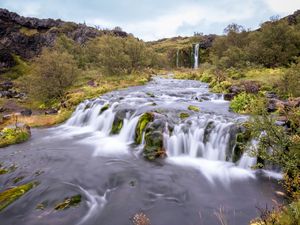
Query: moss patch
{"x":184,"y":115}
{"x":9,"y":196}
{"x":117,"y":126}
{"x":11,"y":136}
{"x":142,"y":123}
{"x":68,"y":202}
{"x":104,"y":108}
{"x":194,"y":108}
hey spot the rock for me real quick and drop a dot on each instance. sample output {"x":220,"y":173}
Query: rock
{"x":26,"y":37}
{"x":7,"y":85}
{"x":144,"y":120}
{"x":51,"y":112}
{"x":229,"y":96}
{"x":91,"y":83}
{"x":26,"y":112}
{"x":271,"y":95}
{"x":252,"y":87}
{"x":234,"y":89}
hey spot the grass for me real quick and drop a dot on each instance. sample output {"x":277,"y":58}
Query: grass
{"x":28,"y":32}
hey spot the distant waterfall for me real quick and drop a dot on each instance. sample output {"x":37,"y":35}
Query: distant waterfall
{"x":196,"y":56}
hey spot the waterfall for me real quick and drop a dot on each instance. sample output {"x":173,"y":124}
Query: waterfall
{"x":196,"y":56}
{"x":177,"y":58}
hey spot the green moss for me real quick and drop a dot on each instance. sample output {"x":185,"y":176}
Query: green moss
{"x":154,"y":145}
{"x":117,"y":126}
{"x":184,"y":115}
{"x":68,"y":202}
{"x":142,"y":123}
{"x":104,"y":108}
{"x":222,"y":87}
{"x":9,"y":196}
{"x":11,"y":136}
{"x":21,"y":68}
{"x":3,"y":171}
{"x":28,"y":32}
{"x":194,"y":108}
{"x":18,"y":179}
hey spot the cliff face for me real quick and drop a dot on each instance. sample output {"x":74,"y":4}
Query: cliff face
{"x":26,"y":37}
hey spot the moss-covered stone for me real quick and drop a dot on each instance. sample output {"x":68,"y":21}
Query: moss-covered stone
{"x":242,"y":139}
{"x":154,"y":146}
{"x":117,"y":126}
{"x":18,"y":179}
{"x":104,"y":108}
{"x":194,"y":108}
{"x":3,"y":171}
{"x":9,"y":136}
{"x":184,"y":115}
{"x":9,"y":196}
{"x":141,"y":125}
{"x":68,"y":202}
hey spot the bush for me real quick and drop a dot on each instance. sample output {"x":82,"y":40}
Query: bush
{"x":289,"y":85}
{"x":53,"y":72}
{"x":247,"y":103}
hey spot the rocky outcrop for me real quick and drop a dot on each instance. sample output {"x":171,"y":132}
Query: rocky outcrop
{"x":25,"y":37}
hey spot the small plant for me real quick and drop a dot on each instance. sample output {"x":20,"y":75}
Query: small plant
{"x":141,"y":219}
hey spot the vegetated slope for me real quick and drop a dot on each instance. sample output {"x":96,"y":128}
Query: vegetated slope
{"x":25,"y":37}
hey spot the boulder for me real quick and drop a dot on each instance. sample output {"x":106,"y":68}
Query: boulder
{"x":26,"y":112}
{"x":51,"y":112}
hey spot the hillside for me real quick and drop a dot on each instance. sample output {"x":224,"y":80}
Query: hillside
{"x":25,"y":37}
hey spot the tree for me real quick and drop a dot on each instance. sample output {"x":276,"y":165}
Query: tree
{"x":53,"y":72}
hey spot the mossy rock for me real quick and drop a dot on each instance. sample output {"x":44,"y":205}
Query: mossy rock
{"x":68,"y":202}
{"x":9,"y":136}
{"x":9,"y":196}
{"x":184,"y":115}
{"x":104,"y":108}
{"x":141,"y":125}
{"x":208,"y":129}
{"x":194,"y":108}
{"x":242,"y":139}
{"x":117,"y":126}
{"x":3,"y":171}
{"x":154,"y":146}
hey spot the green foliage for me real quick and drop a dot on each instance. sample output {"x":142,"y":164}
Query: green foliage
{"x":289,"y":85}
{"x":53,"y":72}
{"x":117,"y":55}
{"x":243,"y":103}
{"x":18,"y":70}
{"x":222,"y":87}
{"x":276,"y":43}
{"x":9,"y":196}
{"x":9,"y":136}
{"x":280,"y":146}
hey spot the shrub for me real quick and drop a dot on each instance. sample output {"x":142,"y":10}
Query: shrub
{"x":53,"y":72}
{"x":289,"y":85}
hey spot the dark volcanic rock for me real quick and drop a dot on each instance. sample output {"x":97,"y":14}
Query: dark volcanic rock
{"x":25,"y":37}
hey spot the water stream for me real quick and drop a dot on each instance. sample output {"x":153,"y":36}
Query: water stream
{"x":195,"y":181}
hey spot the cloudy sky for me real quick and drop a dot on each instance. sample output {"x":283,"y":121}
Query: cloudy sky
{"x":155,"y":19}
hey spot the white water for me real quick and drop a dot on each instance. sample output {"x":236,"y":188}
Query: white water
{"x":196,"y":56}
{"x":204,"y":141}
{"x":177,"y":58}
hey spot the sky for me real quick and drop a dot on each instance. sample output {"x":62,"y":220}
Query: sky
{"x":156,"y":19}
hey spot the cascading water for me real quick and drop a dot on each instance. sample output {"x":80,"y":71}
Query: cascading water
{"x":95,"y":154}
{"x":196,"y":56}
